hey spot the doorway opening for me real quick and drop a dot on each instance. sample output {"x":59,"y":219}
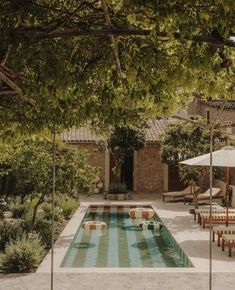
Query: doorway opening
{"x":127,"y":169}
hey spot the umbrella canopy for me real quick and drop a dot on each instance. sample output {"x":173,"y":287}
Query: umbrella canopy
{"x":224,"y":157}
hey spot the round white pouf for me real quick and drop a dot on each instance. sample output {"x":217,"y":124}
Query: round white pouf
{"x":141,"y":212}
{"x":94,"y":225}
{"x":151,"y":225}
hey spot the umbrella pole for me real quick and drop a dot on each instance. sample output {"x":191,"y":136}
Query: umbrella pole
{"x":52,"y":210}
{"x":210,"y":224}
{"x":227,"y":195}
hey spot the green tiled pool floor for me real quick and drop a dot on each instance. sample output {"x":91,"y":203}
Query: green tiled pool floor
{"x":123,"y":243}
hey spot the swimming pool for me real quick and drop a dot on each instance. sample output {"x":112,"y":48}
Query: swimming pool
{"x":123,"y":243}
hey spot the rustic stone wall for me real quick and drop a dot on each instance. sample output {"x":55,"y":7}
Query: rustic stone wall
{"x":149,"y":170}
{"x":200,"y":108}
{"x":97,"y":156}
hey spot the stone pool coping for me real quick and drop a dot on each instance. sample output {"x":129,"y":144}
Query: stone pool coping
{"x":191,"y":238}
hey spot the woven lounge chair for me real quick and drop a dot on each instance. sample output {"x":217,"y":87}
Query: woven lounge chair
{"x":219,"y":231}
{"x":216,"y":218}
{"x":228,"y":240}
{"x":205,"y":209}
{"x":216,"y":194}
{"x":173,"y":195}
{"x":214,"y":212}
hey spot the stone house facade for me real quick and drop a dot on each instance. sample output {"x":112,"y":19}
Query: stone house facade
{"x":209,"y":109}
{"x":148,"y":173}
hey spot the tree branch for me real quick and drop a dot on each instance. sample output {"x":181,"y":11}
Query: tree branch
{"x":3,"y":62}
{"x":215,"y":122}
{"x":10,"y":83}
{"x":8,"y":93}
{"x":112,"y":39}
{"x":70,"y":15}
{"x":33,"y":34}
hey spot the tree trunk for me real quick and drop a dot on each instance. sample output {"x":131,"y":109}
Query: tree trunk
{"x":35,"y":209}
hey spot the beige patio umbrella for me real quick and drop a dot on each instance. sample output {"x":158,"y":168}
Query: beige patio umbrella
{"x":224,"y":157}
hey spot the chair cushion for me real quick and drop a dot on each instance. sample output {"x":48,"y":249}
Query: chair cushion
{"x":224,"y":230}
{"x":229,"y":238}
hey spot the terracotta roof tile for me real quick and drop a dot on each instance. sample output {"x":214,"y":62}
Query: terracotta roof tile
{"x":156,"y":128}
{"x":153,"y":132}
{"x":230,"y":104}
{"x":78,"y":135}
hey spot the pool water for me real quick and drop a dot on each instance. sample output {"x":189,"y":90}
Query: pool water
{"x":123,"y":243}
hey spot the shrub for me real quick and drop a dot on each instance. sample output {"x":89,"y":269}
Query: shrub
{"x":18,"y":211}
{"x":17,"y":208}
{"x":117,"y":188}
{"x":58,"y":212}
{"x":22,"y":255}
{"x":67,"y":204}
{"x":43,"y":228}
{"x":3,"y":204}
{"x":9,"y":231}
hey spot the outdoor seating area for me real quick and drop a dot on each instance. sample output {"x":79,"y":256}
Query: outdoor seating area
{"x":229,"y":241}
{"x":174,"y":195}
{"x":187,"y":195}
{"x":216,"y":195}
{"x":220,"y":216}
{"x":224,"y":232}
{"x":216,"y":217}
{"x":220,"y":231}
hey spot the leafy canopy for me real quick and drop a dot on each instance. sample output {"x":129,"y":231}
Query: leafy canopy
{"x":126,"y":139}
{"x":59,"y":54}
{"x":122,"y":142}
{"x":30,"y":165}
{"x":183,"y":140}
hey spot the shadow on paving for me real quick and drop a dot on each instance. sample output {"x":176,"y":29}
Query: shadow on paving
{"x":118,"y":281}
{"x":200,"y":249}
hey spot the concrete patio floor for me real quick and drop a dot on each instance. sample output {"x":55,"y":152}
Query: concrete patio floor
{"x":192,"y":238}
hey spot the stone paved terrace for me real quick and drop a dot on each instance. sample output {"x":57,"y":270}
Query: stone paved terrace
{"x":188,"y":234}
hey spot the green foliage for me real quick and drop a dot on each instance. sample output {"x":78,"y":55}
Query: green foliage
{"x":43,"y":228}
{"x":117,"y":188}
{"x":126,"y":139}
{"x":184,"y":140}
{"x":5,"y":159}
{"x":22,"y":255}
{"x":185,"y":47}
{"x":121,"y":142}
{"x":47,"y":212}
{"x":74,"y":171}
{"x":31,"y":165}
{"x":9,"y":231}
{"x":67,"y":204}
{"x":18,"y":209}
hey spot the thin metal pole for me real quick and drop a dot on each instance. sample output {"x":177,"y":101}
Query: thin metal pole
{"x":227,"y":194}
{"x":210,"y":224}
{"x":53,"y":211}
